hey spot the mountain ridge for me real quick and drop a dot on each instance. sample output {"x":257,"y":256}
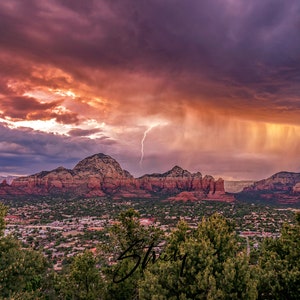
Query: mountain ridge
{"x":102,"y":175}
{"x":281,"y":188}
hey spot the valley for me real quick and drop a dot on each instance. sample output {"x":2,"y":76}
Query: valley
{"x":63,"y":227}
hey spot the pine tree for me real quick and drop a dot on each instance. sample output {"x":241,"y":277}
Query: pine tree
{"x":129,"y":244}
{"x":280,"y":265}
{"x":82,"y":280}
{"x":22,"y":271}
{"x":3,"y":211}
{"x":214,"y":266}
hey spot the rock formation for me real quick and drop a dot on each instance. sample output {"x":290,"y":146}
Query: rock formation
{"x":296,"y":188}
{"x":100,"y":175}
{"x":236,"y":186}
{"x":8,"y":179}
{"x":173,"y":181}
{"x":282,"y":181}
{"x":282,"y":187}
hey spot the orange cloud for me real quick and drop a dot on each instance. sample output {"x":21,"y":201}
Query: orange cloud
{"x":226,"y":84}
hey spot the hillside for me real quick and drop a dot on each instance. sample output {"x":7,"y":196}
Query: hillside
{"x":101,"y":175}
{"x":280,"y":188}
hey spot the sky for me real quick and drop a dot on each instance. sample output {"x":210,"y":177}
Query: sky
{"x":211,"y":85}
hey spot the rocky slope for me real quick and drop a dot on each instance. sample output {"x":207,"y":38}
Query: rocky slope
{"x":100,"y":175}
{"x":232,"y":186}
{"x":282,"y":187}
{"x":8,"y":179}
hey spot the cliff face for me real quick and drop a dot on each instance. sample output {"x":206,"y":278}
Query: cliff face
{"x":236,"y":186}
{"x":100,"y":175}
{"x":282,"y":187}
{"x":173,"y":181}
{"x":282,"y":181}
{"x":94,"y":175}
{"x":7,"y":179}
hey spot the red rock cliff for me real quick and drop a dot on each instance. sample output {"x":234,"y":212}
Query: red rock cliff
{"x":100,"y":175}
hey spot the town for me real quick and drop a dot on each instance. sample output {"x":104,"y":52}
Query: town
{"x":61,"y":228}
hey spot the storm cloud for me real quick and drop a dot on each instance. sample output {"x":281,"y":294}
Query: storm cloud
{"x":218,"y":79}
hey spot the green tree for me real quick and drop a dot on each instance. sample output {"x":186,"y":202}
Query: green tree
{"x":130,"y":250}
{"x":22,"y":271}
{"x":3,"y":211}
{"x":280,"y":265}
{"x":206,"y":264}
{"x":83,"y":280}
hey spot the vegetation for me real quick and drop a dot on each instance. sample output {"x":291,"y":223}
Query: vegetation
{"x":132,"y":261}
{"x":212,"y":265}
{"x":279,"y":265}
{"x":81,"y":280}
{"x":23,"y":272}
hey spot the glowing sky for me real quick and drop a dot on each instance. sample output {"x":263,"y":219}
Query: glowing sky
{"x":215,"y":83}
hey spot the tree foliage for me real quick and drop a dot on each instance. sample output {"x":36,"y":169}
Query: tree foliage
{"x":3,"y":211}
{"x":82,"y":280}
{"x":215,"y":268}
{"x":129,"y":244}
{"x":140,"y":262}
{"x":22,"y":271}
{"x":280,"y":265}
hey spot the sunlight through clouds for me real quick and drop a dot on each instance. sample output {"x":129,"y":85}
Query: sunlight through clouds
{"x":217,"y":93}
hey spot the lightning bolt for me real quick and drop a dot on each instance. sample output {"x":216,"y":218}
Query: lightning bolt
{"x":143,"y":140}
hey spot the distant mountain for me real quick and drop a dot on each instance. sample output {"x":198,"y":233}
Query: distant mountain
{"x":8,"y":179}
{"x":280,"y":188}
{"x":235,"y":186}
{"x":101,"y":175}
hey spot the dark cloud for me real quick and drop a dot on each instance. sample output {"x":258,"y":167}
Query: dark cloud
{"x":28,"y":151}
{"x":66,"y":118}
{"x":83,"y":132}
{"x":218,"y":39}
{"x":194,"y":64}
{"x":25,"y":107}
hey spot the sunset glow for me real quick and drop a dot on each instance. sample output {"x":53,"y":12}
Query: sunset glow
{"x":215,"y":83}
